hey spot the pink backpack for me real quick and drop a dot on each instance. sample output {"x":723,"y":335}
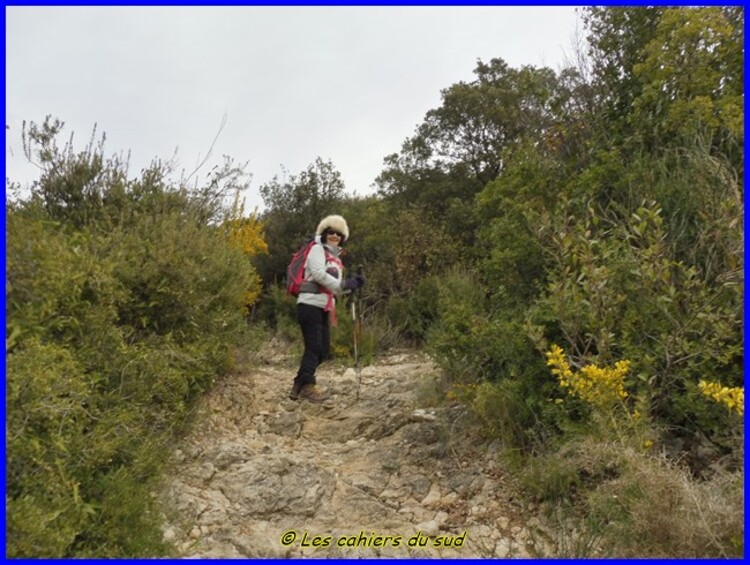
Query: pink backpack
{"x":295,"y":272}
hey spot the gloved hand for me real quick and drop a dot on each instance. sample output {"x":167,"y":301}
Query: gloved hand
{"x":353,"y":283}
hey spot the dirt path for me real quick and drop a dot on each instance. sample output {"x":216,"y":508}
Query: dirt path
{"x":359,"y":478}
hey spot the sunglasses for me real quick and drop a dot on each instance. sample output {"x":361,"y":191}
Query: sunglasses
{"x":338,"y":234}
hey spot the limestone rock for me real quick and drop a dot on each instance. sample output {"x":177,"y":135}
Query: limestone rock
{"x":258,"y":467}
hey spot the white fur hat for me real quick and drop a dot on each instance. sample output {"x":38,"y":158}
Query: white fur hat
{"x":336,"y":223}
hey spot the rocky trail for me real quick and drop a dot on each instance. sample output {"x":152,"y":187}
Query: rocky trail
{"x":264,"y":476}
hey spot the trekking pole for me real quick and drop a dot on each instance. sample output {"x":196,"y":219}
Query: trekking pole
{"x":357,"y":330}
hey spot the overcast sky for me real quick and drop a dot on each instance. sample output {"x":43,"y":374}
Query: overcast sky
{"x":347,"y":84}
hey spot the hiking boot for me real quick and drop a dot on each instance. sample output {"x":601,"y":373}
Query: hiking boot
{"x":309,"y":392}
{"x":294,"y":393}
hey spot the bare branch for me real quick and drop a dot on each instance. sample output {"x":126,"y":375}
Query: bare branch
{"x":210,"y":149}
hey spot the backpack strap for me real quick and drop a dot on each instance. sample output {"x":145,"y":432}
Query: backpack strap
{"x":330,"y":306}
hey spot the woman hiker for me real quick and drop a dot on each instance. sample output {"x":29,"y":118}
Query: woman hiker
{"x":316,"y":303}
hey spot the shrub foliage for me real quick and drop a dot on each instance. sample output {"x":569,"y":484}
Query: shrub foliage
{"x":123,"y":301}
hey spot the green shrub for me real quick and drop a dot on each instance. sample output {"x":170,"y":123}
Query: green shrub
{"x":503,"y":411}
{"x":123,"y":304}
{"x":47,"y":414}
{"x":278,"y":311}
{"x":619,"y":293}
{"x":183,"y":279}
{"x":412,"y":314}
{"x":476,"y":341}
{"x":461,"y":311}
{"x":550,"y":479}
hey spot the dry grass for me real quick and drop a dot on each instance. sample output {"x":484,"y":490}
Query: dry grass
{"x":630,"y":504}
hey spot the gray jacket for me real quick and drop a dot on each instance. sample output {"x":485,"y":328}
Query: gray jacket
{"x":324,"y":273}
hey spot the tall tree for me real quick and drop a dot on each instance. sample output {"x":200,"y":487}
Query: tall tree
{"x":479,"y":121}
{"x":617,"y":37}
{"x":668,"y":73}
{"x":692,"y":79}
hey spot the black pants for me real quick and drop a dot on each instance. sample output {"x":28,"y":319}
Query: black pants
{"x":316,"y":333}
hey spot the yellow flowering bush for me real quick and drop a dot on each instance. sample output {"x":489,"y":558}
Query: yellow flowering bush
{"x":599,"y":386}
{"x":246,"y":233}
{"x":733,"y":398}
